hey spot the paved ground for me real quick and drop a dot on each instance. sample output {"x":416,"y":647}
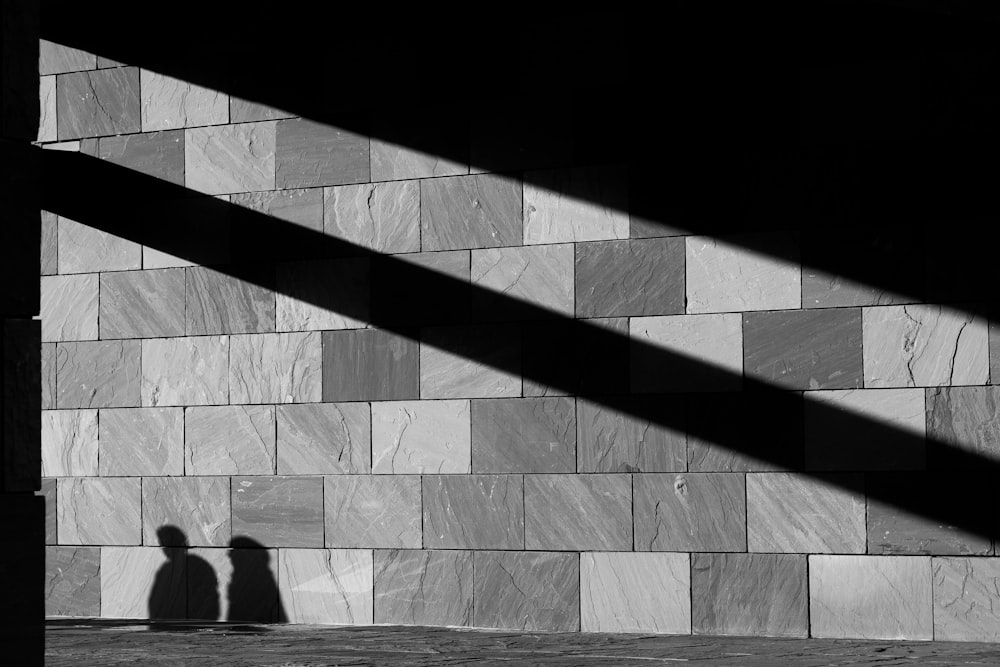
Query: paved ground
{"x":76,"y":642}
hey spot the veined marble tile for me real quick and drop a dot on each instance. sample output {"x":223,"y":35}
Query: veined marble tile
{"x":481,"y":211}
{"x":696,"y":353}
{"x":324,"y":438}
{"x":245,"y":111}
{"x":369,"y":365}
{"x":724,"y":276}
{"x":582,"y":204}
{"x":72,"y":581}
{"x":963,"y":421}
{"x":578,"y":512}
{"x":99,"y":511}
{"x":230,"y":440}
{"x":871,"y":597}
{"x":158,"y":154}
{"x":325,"y":294}
{"x":794,"y":513}
{"x":612,"y":441}
{"x":635,"y":592}
{"x":49,"y":256}
{"x":142,"y":441}
{"x":421,"y":437}
{"x":630,"y":278}
{"x":69,"y":443}
{"x":230,"y":158}
{"x":48,"y":376}
{"x":83,"y":249}
{"x":301,"y":206}
{"x":185,"y":371}
{"x":690,"y":512}
{"x":69,"y":307}
{"x":327,"y":586}
{"x":142,"y":304}
{"x":169,"y":103}
{"x":466,"y":362}
{"x":47,"y":108}
{"x":50,"y":493}
{"x":423,"y":587}
{"x":381,"y":216}
{"x":526,"y":591}
{"x":98,"y":103}
{"x":279,"y":511}
{"x":542,"y":275}
{"x":749,"y":594}
{"x":221,"y":304}
{"x":57,"y":59}
{"x":143,"y":582}
{"x":238,"y":584}
{"x":311,"y":154}
{"x":919,"y":346}
{"x":275,"y":368}
{"x":965,"y":599}
{"x":198,"y":506}
{"x":473,"y":511}
{"x":98,"y":374}
{"x":523,"y":435}
{"x":373,"y":511}
{"x":393,"y":162}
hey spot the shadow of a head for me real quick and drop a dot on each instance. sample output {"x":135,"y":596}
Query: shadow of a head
{"x":253,"y":588}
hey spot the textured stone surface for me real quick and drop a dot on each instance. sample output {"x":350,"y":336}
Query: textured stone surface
{"x":83,"y":249}
{"x":818,"y":349}
{"x":185,"y":371}
{"x":158,"y":154}
{"x":221,"y":304}
{"x":381,"y":216}
{"x":311,"y":154}
{"x":99,"y":374}
{"x":470,"y":362}
{"x":633,"y":592}
{"x":48,"y":376}
{"x":964,"y":424}
{"x":69,"y":443}
{"x":523,"y":435}
{"x":473,"y":512}
{"x":99,"y":511}
{"x":324,"y":438}
{"x":279,"y":511}
{"x":481,"y":211}
{"x":47,"y":108}
{"x":920,"y":346}
{"x":793,"y":513}
{"x":421,"y":437}
{"x":49,"y":491}
{"x":143,"y":582}
{"x":587,"y":204}
{"x":327,"y":586}
{"x":230,"y":158}
{"x":198,"y":506}
{"x":169,"y":103}
{"x":72,"y":581}
{"x":609,"y":440}
{"x":57,"y":59}
{"x":369,"y":365}
{"x":142,"y":441}
{"x":50,"y":244}
{"x":246,"y":111}
{"x":423,"y":587}
{"x":142,"y":304}
{"x":327,"y":294}
{"x":749,"y":594}
{"x":275,"y":368}
{"x":392,"y":162}
{"x":98,"y":103}
{"x":373,"y":511}
{"x":526,"y":591}
{"x":696,"y":353}
{"x":629,"y":278}
{"x":69,"y":307}
{"x":724,"y":276}
{"x":578,"y":512}
{"x":301,"y":206}
{"x":230,"y":440}
{"x":994,"y":352}
{"x":690,"y":512}
{"x":965,"y":599}
{"x":542,"y":276}
{"x":896,"y":603}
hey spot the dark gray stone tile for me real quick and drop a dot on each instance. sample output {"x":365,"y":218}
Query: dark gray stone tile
{"x":624,"y":278}
{"x":610,"y":440}
{"x":221,"y":304}
{"x":963,"y":426}
{"x":98,"y":103}
{"x":48,"y":376}
{"x":473,"y":511}
{"x":526,"y":591}
{"x":311,"y":154}
{"x":72,"y":581}
{"x":142,"y":304}
{"x":423,"y":587}
{"x":279,"y":511}
{"x":50,"y":245}
{"x":369,"y":365}
{"x":48,"y":491}
{"x":482,"y":211}
{"x":373,"y":511}
{"x":98,"y":374}
{"x":578,"y":512}
{"x":690,"y":512}
{"x":523,"y":435}
{"x":302,"y":206}
{"x":158,"y":154}
{"x":57,"y":59}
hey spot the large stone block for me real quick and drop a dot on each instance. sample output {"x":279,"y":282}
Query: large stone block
{"x":421,"y":437}
{"x":963,"y":427}
{"x":612,"y":440}
{"x":324,"y":438}
{"x":382,"y":216}
{"x":369,"y":365}
{"x":143,"y":582}
{"x":327,"y":294}
{"x":327,"y":586}
{"x":47,"y":109}
{"x":541,"y":276}
{"x":578,"y":512}
{"x":185,"y":371}
{"x":230,"y":158}
{"x":482,"y":211}
{"x":584,"y":204}
{"x":690,"y":512}
{"x":99,"y":511}
{"x":142,"y":304}
{"x":423,"y":587}
{"x":98,"y":103}
{"x":217,"y":303}
{"x":83,"y":249}
{"x":168,"y":103}
{"x":275,"y":368}
{"x":230,"y":440}
{"x":99,"y":374}
{"x":473,"y":511}
{"x":470,"y":362}
{"x":686,"y":353}
{"x":158,"y":154}
{"x":69,"y":443}
{"x":632,"y":592}
{"x":373,"y":511}
{"x":72,"y":581}
{"x":199,"y":507}
{"x":630,"y":278}
{"x":300,"y":206}
{"x":523,"y":435}
{"x":69,"y":307}
{"x":966,"y":591}
{"x":526,"y":591}
{"x":279,"y":511}
{"x":311,"y":154}
{"x":58,"y":59}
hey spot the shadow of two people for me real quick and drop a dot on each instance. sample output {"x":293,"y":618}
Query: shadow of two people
{"x":187,"y":587}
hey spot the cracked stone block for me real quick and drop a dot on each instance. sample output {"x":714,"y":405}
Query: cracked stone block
{"x":98,"y":103}
{"x":198,"y":506}
{"x":541,"y":276}
{"x":524,"y":435}
{"x":630,"y":278}
{"x":459,"y":212}
{"x":581,"y":204}
{"x":69,"y":443}
{"x":47,"y":108}
{"x":275,"y":368}
{"x":157,"y":154}
{"x":143,"y":582}
{"x":324,"y":439}
{"x":245,"y":111}
{"x":48,"y":376}
{"x":421,"y":437}
{"x":327,"y":586}
{"x":325,"y":294}
{"x":49,"y":492}
{"x":168,"y":103}
{"x":49,"y":256}
{"x":686,"y":353}
{"x":920,"y":346}
{"x":966,"y":591}
{"x":423,"y":587}
{"x":373,"y":511}
{"x":142,"y":304}
{"x":99,"y":511}
{"x":69,"y":307}
{"x":612,"y":440}
{"x":98,"y":374}
{"x":470,"y":362}
{"x":230,"y":158}
{"x":794,"y":513}
{"x":381,"y":216}
{"x":279,"y":511}
{"x":239,"y":584}
{"x":690,"y":512}
{"x":369,"y":365}
{"x":217,"y":303}
{"x":578,"y":512}
{"x":83,"y":249}
{"x":311,"y":154}
{"x":526,"y":591}
{"x":760,"y":595}
{"x":301,"y":206}
{"x":185,"y":371}
{"x":635,"y":592}
{"x":229,"y":440}
{"x":142,"y":441}
{"x":72,"y":581}
{"x":963,"y":427}
{"x":58,"y":59}
{"x":817,"y":349}
{"x":473,"y":512}
{"x":871,"y":597}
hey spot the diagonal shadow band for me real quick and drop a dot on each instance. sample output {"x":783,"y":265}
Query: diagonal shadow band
{"x":756,"y":421}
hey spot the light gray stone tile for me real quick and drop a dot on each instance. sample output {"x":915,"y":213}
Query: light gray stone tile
{"x":723,"y":275}
{"x":630,"y":278}
{"x":965,"y":599}
{"x":690,"y":512}
{"x":47,"y":108}
{"x":966,"y":420}
{"x":83,"y":249}
{"x":69,"y":146}
{"x":217,"y":303}
{"x":185,"y":371}
{"x":279,"y":511}
{"x":230,"y":158}
{"x":994,"y":352}
{"x":245,"y":111}
{"x":635,"y":592}
{"x":142,"y":304}
{"x":56,"y":58}
{"x":49,"y":258}
{"x":275,"y":368}
{"x":69,"y":443}
{"x":369,"y":365}
{"x":481,"y":211}
{"x":72,"y":581}
{"x":542,"y":275}
{"x":69,"y":307}
{"x":142,"y":441}
{"x":381,"y":216}
{"x":143,"y":582}
{"x":98,"y":103}
{"x":302,"y":206}
{"x":423,"y":587}
{"x":700,"y":353}
{"x":421,"y":437}
{"x":393,"y":162}
{"x":198,"y":506}
{"x":526,"y":591}
{"x":609,"y":440}
{"x":98,"y":374}
{"x":373,"y":511}
{"x":583,"y":204}
{"x":470,"y":362}
{"x":473,"y":511}
{"x":311,"y":154}
{"x":104,"y":63}
{"x":99,"y":511}
{"x":324,"y":438}
{"x":229,"y":440}
{"x":48,"y":376}
{"x":157,"y":154}
{"x":578,"y":512}
{"x":327,"y":586}
{"x":168,"y":103}
{"x":523,"y":435}
{"x":325,"y":294}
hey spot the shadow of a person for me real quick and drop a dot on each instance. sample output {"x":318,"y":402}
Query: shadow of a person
{"x":253,"y":588}
{"x":182,"y":573}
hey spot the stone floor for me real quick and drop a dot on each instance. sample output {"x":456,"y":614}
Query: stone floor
{"x":86,"y":642}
